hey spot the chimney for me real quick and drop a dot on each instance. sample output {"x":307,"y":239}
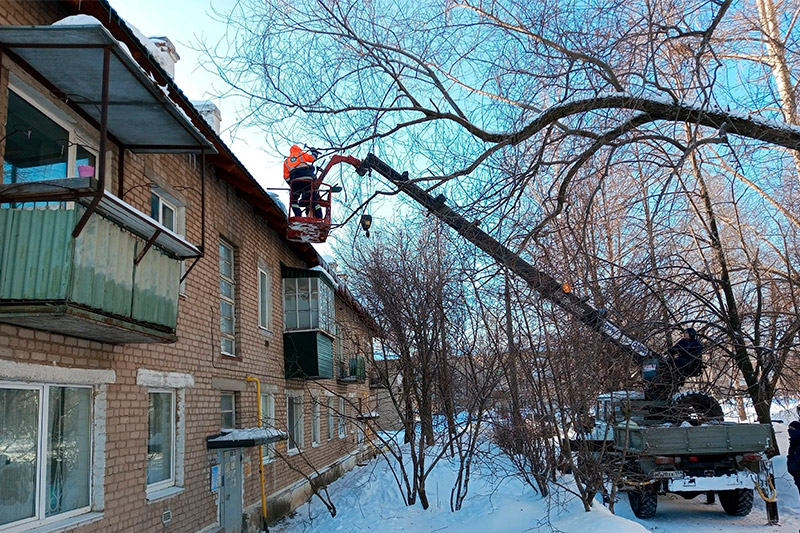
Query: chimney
{"x":210,"y":113}
{"x":168,"y":56}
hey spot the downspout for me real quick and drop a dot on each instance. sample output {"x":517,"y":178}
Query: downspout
{"x":260,"y":456}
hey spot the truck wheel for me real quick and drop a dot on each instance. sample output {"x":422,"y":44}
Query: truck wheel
{"x":643,"y":502}
{"x":737,"y":502}
{"x":696,"y":408}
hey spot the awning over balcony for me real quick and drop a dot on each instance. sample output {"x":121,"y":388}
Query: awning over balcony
{"x":69,"y":59}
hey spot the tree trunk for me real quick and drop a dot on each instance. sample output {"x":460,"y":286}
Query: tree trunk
{"x":776,"y":52}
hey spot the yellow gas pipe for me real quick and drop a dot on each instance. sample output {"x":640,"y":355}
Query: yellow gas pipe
{"x":260,"y":454}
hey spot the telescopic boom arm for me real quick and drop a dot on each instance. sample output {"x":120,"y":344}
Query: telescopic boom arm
{"x":546,"y":285}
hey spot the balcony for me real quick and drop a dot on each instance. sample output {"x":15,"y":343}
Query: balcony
{"x":308,"y":319}
{"x":354,"y":371}
{"x":308,"y":355}
{"x":75,"y":259}
{"x":107,"y":284}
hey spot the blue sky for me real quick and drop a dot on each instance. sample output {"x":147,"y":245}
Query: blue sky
{"x":186,"y":22}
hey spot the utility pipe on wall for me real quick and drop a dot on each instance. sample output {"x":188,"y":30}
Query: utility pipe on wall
{"x":260,"y":455}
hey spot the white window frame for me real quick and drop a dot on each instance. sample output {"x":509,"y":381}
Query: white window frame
{"x":40,"y":496}
{"x":170,"y":482}
{"x":331,"y":417}
{"x":315,"y":423}
{"x":62,"y":119}
{"x":342,"y":418}
{"x":298,"y":426}
{"x":163,"y":200}
{"x":325,"y":302}
{"x":264,"y":298}
{"x":229,"y":300}
{"x":268,"y":420}
{"x":179,"y":219}
{"x":232,"y":411}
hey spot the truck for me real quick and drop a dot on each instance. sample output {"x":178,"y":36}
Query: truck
{"x":668,"y":441}
{"x":663,"y":451}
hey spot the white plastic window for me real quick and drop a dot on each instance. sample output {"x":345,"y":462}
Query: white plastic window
{"x":160,"y":439}
{"x":268,"y":420}
{"x":45,"y":452}
{"x":227,"y":304}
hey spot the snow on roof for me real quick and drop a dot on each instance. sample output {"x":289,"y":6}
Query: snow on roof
{"x":78,"y":20}
{"x":278,"y":202}
{"x":368,"y":415}
{"x":257,"y":433}
{"x":331,"y":278}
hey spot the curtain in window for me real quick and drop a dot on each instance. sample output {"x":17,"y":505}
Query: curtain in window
{"x":68,"y":449}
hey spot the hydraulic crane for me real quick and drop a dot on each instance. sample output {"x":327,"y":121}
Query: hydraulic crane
{"x":545,"y":284}
{"x":659,"y":384}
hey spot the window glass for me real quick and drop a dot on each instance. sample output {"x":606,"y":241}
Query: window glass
{"x":264,"y":299}
{"x":36,"y":147}
{"x":342,"y":414}
{"x":19,"y":428}
{"x":294,"y":415}
{"x":315,"y":423}
{"x":160,"y":436}
{"x":331,"y":418}
{"x":68,"y":449}
{"x":227,"y":306}
{"x":268,"y":420}
{"x":85,"y":158}
{"x":45,"y":448}
{"x":228,"y":410}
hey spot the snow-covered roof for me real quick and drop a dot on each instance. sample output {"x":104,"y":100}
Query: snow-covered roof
{"x":243,"y":437}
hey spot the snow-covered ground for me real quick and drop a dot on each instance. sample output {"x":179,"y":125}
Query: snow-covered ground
{"x":367,"y":499}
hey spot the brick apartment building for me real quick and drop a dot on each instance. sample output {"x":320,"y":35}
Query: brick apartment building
{"x":129,"y":399}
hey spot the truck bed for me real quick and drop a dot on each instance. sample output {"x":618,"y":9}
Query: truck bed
{"x":694,"y":440}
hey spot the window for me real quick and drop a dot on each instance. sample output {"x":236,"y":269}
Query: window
{"x":227,"y":306}
{"x":331,"y":418}
{"x":164,"y":212}
{"x":342,"y":421}
{"x":46,"y":443}
{"x":170,"y":214}
{"x":315,"y":423}
{"x":294,"y":415}
{"x":264,"y":298}
{"x":339,"y":358}
{"x":38,"y":147}
{"x":307,"y":304}
{"x":227,"y":407}
{"x":160,"y":439}
{"x":268,"y":420}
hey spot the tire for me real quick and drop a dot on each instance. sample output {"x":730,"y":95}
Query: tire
{"x":696,"y":408}
{"x":643,"y":502}
{"x":737,"y":502}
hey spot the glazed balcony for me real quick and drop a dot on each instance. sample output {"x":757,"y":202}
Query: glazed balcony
{"x":354,"y":370}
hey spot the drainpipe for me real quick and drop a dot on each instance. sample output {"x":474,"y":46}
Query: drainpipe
{"x":260,"y":457}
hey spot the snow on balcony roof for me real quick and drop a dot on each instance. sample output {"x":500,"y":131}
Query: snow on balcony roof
{"x":70,"y":58}
{"x":245,"y":437}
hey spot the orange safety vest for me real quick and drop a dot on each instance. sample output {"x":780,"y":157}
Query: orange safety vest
{"x":297,"y":159}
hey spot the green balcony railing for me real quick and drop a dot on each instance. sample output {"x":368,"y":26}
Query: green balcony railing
{"x":87,"y":286}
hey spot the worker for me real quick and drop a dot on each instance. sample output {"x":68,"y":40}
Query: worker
{"x":687,"y":354}
{"x":299,"y":173}
{"x":793,"y":455}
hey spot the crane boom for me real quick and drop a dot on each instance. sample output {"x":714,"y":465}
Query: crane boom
{"x":546,"y":285}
